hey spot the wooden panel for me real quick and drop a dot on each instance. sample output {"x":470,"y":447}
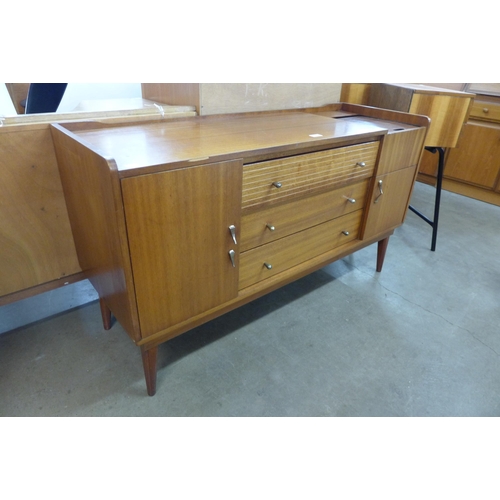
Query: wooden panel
{"x":476,"y":159}
{"x":92,"y":192}
{"x":306,"y":173}
{"x":177,"y":94}
{"x":478,"y":193}
{"x":177,"y":224}
{"x":398,"y":118}
{"x":299,"y":247}
{"x":447,"y":109}
{"x":390,"y":209}
{"x":447,"y":114}
{"x":300,"y":214}
{"x":387,"y":96}
{"x":400,"y":150}
{"x":18,"y":92}
{"x":355,"y":93}
{"x":35,"y":235}
{"x":429,"y":165}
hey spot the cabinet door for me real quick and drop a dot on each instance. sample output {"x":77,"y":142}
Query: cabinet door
{"x":178,"y":225}
{"x":476,"y":159}
{"x":389,"y":201}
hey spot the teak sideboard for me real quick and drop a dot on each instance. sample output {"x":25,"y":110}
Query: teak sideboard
{"x":176,"y":223}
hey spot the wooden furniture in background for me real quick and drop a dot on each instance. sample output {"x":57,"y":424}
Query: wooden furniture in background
{"x":447,"y":105}
{"x":220,"y":98}
{"x":18,"y":93}
{"x":177,"y":223}
{"x":473,"y":167}
{"x":36,"y":244}
{"x":448,"y":109}
{"x":177,"y":94}
{"x":37,"y":252}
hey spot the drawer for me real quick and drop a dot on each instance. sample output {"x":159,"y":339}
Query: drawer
{"x":297,"y":248}
{"x":277,"y":180}
{"x":485,"y":111}
{"x":275,"y":222}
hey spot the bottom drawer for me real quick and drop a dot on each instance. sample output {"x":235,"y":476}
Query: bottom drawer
{"x":267,"y":260}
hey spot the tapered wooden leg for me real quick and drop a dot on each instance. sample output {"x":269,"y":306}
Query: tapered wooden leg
{"x":381,"y":249}
{"x":149,"y":363}
{"x":106,"y":315}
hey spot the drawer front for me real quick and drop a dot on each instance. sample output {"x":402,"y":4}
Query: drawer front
{"x":275,"y":222}
{"x":278,"y":180}
{"x":297,"y":248}
{"x":485,"y":111}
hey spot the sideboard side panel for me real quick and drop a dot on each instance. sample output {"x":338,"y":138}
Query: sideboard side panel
{"x":93,"y":199}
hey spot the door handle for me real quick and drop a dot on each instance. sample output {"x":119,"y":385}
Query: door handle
{"x":381,"y":192}
{"x":232,"y":230}
{"x":232,"y":256}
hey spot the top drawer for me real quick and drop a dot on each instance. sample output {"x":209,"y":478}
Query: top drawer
{"x":276,"y":180}
{"x":485,"y":111}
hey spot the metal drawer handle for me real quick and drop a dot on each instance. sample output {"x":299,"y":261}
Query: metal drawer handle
{"x":361,"y":164}
{"x":270,"y":227}
{"x":346,"y":233}
{"x":232,"y":256}
{"x":277,"y":184}
{"x":486,"y":110}
{"x":381,"y":191}
{"x":268,"y":266}
{"x":350,"y":200}
{"x":232,"y":230}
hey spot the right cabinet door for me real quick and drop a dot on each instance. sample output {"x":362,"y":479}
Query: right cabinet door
{"x":389,"y":201}
{"x":180,"y":226}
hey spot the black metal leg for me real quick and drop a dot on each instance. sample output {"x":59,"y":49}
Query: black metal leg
{"x":437,"y":202}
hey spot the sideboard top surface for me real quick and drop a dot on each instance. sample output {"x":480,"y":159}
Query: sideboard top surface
{"x":201,"y":138}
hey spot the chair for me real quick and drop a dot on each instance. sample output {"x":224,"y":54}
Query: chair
{"x":44,"y":97}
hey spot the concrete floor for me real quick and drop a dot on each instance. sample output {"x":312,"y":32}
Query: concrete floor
{"x":422,"y":338}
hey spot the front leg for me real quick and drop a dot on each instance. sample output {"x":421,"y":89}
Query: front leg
{"x":105,"y":314}
{"x":149,"y":357}
{"x":381,"y":249}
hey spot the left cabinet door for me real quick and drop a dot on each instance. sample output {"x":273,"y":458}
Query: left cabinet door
{"x":180,"y":226}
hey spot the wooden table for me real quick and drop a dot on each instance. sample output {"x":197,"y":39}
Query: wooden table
{"x":177,"y":223}
{"x":447,"y":109}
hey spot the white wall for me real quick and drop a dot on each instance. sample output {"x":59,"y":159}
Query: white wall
{"x":78,"y":92}
{"x":243,"y":97}
{"x":6,"y":104}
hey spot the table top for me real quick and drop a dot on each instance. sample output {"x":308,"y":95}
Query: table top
{"x":214,"y":137}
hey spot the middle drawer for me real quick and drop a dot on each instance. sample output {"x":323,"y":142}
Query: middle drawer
{"x":275,"y":222}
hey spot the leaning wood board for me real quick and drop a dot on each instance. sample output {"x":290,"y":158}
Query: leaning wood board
{"x":37,"y":252}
